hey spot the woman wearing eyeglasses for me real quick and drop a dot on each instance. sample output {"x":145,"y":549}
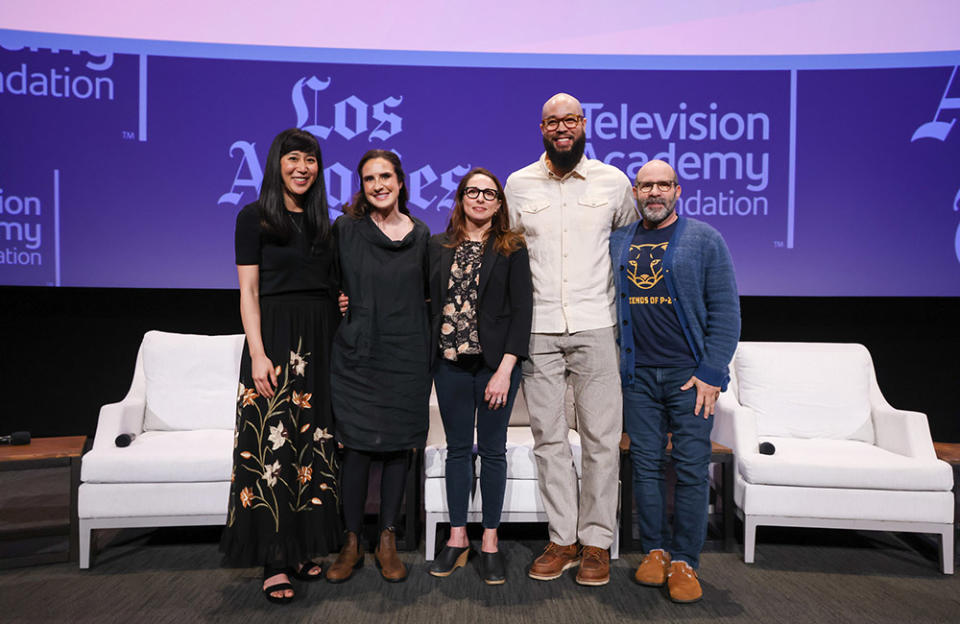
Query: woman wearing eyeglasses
{"x":481,"y":307}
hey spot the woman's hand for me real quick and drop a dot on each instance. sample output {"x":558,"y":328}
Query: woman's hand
{"x":343,"y":302}
{"x":496,"y":391}
{"x":264,"y":375}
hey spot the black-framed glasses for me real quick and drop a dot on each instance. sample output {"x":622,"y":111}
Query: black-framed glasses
{"x":569,"y":122}
{"x":488,"y":194}
{"x":663,"y":187}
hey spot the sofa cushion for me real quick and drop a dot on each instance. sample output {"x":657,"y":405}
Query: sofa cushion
{"x":806,"y":390}
{"x":521,"y":463}
{"x":848,"y":464}
{"x":191,"y":381}
{"x":163,"y":456}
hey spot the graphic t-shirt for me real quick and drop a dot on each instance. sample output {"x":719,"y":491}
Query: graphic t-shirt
{"x":658,"y":337}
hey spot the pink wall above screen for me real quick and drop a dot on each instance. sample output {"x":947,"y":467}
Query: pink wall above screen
{"x":647,"y":27}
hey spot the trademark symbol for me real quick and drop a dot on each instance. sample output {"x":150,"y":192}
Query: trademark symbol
{"x":128,"y":135}
{"x":778,"y":244}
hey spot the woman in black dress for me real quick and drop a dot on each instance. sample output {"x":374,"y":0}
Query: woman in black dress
{"x":283,"y":496}
{"x":380,"y":376}
{"x":481,"y":299}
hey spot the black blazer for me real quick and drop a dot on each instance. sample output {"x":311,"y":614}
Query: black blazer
{"x":504,"y":300}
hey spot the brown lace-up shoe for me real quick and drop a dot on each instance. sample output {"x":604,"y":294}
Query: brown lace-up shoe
{"x":554,"y":560}
{"x":653,"y":569}
{"x":594,"y":566}
{"x":349,"y":559}
{"x":682,"y":583}
{"x":391,"y":568}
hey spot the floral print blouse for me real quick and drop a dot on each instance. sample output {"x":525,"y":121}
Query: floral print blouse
{"x":458,"y":329}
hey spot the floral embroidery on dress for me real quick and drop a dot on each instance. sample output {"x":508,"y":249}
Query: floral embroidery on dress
{"x":458,"y":329}
{"x":272,"y":421}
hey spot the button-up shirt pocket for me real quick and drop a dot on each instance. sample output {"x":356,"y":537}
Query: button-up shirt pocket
{"x":534,"y":218}
{"x":594,"y":214}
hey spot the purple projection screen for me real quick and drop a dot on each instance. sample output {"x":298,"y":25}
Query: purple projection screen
{"x":827,"y":176}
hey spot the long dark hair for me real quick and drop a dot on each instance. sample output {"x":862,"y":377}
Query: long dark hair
{"x":273,"y":211}
{"x":505,"y":241}
{"x":359,"y":207}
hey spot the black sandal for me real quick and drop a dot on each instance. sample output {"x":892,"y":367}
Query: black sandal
{"x":302,"y":572}
{"x":278,"y":587}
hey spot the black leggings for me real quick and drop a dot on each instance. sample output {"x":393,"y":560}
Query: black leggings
{"x":355,"y":478}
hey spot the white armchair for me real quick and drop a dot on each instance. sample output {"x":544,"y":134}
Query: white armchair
{"x":844,"y":458}
{"x":521,"y":501}
{"x":182,"y":408}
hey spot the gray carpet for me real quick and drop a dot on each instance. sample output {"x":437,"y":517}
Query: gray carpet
{"x":174,"y":575}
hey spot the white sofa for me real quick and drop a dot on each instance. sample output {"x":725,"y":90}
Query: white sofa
{"x":182,"y":408}
{"x":521,"y":501}
{"x":843,"y":458}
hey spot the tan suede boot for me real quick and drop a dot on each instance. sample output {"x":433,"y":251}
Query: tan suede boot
{"x":349,"y":559}
{"x":388,"y":561}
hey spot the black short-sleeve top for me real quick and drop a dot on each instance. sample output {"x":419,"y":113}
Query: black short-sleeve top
{"x":293,"y":266}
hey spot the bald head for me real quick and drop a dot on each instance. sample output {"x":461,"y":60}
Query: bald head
{"x":655,"y":171}
{"x":561,"y":105}
{"x":657,"y":192}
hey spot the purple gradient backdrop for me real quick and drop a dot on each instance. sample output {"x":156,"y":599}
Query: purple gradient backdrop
{"x":873,"y":209}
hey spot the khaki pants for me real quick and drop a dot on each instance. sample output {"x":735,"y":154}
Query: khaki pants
{"x":589,"y":360}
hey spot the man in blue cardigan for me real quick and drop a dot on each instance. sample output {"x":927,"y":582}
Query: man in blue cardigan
{"x":679,"y":319}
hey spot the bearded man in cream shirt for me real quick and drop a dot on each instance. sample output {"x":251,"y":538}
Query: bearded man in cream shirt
{"x":567,"y":205}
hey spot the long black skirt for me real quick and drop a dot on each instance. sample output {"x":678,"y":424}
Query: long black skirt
{"x":283,"y":495}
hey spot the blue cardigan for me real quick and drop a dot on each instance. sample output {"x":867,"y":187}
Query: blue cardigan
{"x":698,"y":272}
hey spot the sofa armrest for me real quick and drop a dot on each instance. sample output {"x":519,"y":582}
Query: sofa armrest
{"x":735,"y":426}
{"x":903,"y":432}
{"x":116,"y":418}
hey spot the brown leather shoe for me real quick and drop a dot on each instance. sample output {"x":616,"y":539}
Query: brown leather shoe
{"x":388,"y":561}
{"x":554,"y":560}
{"x":653,"y":569}
{"x":594,"y":566}
{"x":349,"y":559}
{"x":682,"y":583}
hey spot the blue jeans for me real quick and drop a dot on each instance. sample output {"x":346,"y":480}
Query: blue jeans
{"x":460,"y":389}
{"x":653,"y":405}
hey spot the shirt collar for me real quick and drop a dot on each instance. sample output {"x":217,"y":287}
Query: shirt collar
{"x":580,"y":170}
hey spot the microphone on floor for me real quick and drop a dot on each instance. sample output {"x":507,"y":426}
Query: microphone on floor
{"x":16,"y":438}
{"x":124,"y":439}
{"x":767,"y":448}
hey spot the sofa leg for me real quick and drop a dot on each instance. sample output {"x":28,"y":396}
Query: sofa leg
{"x":946,"y":550}
{"x":85,"y":536}
{"x":430,"y":542}
{"x":749,"y":538}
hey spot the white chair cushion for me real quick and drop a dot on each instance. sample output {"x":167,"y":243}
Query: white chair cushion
{"x":521,"y":463}
{"x":191,"y":381}
{"x":806,"y":390}
{"x":153,"y":500}
{"x":520,"y":495}
{"x":843,"y":464}
{"x":852,"y":505}
{"x":163,"y":457}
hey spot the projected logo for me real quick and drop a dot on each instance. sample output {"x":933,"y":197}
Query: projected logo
{"x":939,"y":129}
{"x":711,"y":147}
{"x":373,"y":119}
{"x":29,"y":229}
{"x":59,"y":77}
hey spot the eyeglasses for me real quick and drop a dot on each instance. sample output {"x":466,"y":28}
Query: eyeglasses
{"x":646,"y":187}
{"x":569,"y":122}
{"x":488,"y":194}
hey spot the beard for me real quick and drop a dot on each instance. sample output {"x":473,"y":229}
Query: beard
{"x":656,"y":211}
{"x":565,"y":161}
